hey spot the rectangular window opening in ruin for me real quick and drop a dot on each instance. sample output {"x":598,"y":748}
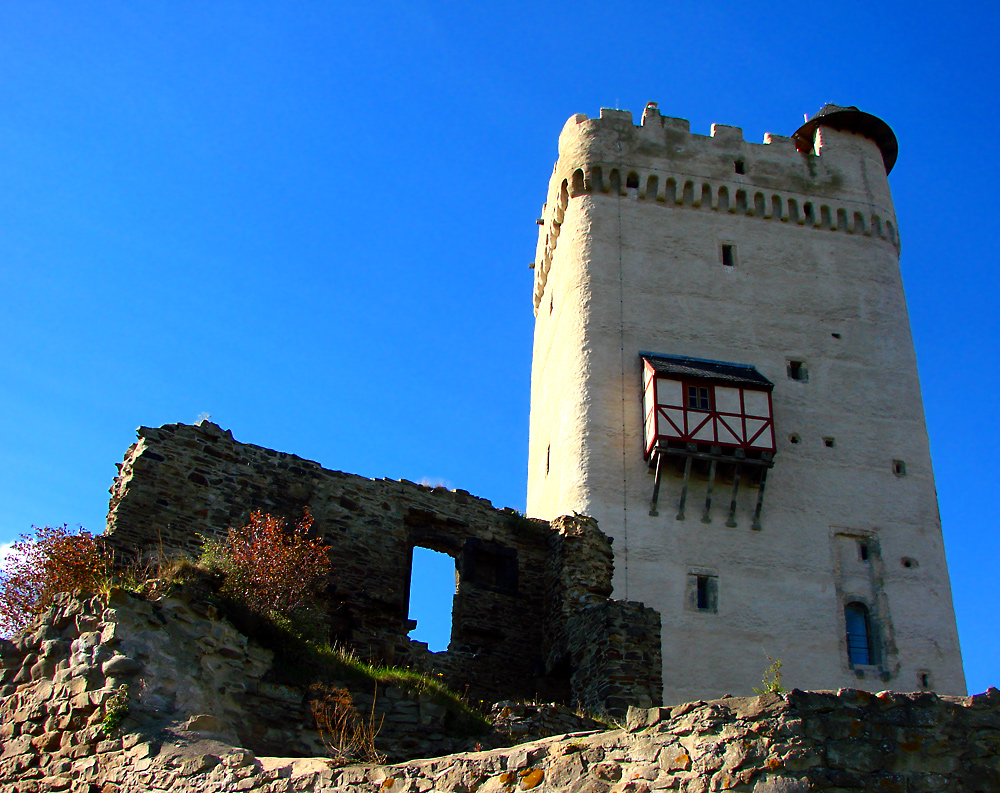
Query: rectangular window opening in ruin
{"x":487,"y":565}
{"x":432,"y":596}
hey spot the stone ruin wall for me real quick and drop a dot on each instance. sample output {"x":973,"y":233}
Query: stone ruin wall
{"x":532,"y":618}
{"x":192,"y":727}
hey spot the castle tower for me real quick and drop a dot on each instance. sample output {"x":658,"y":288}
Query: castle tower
{"x":724,"y":376}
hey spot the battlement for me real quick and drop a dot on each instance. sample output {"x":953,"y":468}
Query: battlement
{"x":835,"y":133}
{"x":835,"y":183}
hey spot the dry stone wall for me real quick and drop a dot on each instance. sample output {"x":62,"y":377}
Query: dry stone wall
{"x":190,"y":675}
{"x":531,"y":617}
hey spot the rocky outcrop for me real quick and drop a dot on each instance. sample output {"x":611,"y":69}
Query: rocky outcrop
{"x":121,"y":695}
{"x":173,"y":666}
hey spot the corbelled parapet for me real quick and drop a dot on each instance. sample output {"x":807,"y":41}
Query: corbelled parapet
{"x":809,"y":179}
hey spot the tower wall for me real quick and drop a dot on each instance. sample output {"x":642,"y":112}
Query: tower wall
{"x":630,"y":259}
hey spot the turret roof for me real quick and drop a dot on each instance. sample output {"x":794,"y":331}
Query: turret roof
{"x":850,"y":119}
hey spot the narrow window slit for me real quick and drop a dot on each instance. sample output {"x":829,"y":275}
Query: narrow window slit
{"x":702,"y":592}
{"x":728,"y":257}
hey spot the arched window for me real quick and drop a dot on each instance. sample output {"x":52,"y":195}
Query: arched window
{"x":859,"y":635}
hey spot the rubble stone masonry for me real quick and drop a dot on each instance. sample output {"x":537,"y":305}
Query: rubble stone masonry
{"x":531,"y":617}
{"x":190,"y":723}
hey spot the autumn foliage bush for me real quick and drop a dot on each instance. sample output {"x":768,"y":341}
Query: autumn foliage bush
{"x":44,"y":563}
{"x":272,"y":570}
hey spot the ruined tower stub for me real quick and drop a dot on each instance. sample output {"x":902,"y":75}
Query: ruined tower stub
{"x":724,"y":376}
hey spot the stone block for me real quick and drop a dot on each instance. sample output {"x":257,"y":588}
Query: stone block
{"x":205,"y":723}
{"x":198,"y":765}
{"x":640,"y":718}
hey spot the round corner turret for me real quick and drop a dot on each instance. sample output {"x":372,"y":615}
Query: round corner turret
{"x":850,"y":119}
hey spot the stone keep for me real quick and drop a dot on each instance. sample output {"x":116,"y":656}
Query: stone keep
{"x":723,"y":375}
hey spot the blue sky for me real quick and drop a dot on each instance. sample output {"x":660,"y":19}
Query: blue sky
{"x":313,"y":222}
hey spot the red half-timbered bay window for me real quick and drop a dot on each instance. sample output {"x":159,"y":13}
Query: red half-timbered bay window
{"x":710,"y":403}
{"x":708,"y":413}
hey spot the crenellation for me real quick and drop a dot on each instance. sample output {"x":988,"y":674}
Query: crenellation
{"x":615,"y":116}
{"x":675,"y":168}
{"x":771,"y":139}
{"x":726,"y":135}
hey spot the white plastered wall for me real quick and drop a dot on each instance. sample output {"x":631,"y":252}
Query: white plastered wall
{"x":633,"y":273}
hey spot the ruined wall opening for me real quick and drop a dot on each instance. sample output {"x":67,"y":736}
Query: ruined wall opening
{"x":433,"y":582}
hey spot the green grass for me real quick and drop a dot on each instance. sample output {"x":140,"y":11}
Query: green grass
{"x":300,"y":660}
{"x":301,"y":657}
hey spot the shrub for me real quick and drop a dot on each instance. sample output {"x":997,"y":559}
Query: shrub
{"x":49,"y":561}
{"x":771,"y":681}
{"x":270,"y":569}
{"x":347,"y":735}
{"x":115,"y":710}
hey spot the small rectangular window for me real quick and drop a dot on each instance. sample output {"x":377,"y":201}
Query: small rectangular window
{"x":863,"y":551}
{"x":797,"y":371}
{"x":740,"y":166}
{"x":728,"y":256}
{"x":699,"y":398}
{"x":899,"y":468}
{"x":829,"y":442}
{"x":703,"y":591}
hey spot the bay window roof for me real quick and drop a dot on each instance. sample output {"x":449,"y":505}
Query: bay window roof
{"x":680,"y":367}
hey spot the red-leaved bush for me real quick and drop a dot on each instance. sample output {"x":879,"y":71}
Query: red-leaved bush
{"x":274,"y":570}
{"x":41,"y":564}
